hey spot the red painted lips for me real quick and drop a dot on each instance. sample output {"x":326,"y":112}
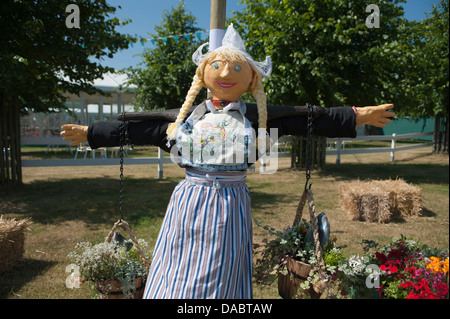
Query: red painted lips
{"x":226,"y":85}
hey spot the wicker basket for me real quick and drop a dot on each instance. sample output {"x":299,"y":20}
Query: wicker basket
{"x":113,"y":289}
{"x":298,"y":272}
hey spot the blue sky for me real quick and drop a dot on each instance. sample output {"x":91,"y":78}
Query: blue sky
{"x":145,"y":14}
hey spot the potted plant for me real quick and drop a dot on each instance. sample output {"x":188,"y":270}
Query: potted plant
{"x":291,"y":257}
{"x":117,"y":268}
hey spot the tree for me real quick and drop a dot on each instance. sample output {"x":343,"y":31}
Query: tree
{"x":323,"y":51}
{"x":426,"y":63}
{"x":40,"y":57}
{"x":167,"y":71}
{"x":437,"y":49}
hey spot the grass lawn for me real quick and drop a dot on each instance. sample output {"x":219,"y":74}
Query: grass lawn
{"x":71,"y":204}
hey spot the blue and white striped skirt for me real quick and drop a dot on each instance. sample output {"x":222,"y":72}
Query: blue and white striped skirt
{"x":204,"y":248}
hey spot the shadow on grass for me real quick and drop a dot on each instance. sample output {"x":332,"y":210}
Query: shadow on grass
{"x":262,"y":198}
{"x":410,"y":172}
{"x":23,"y":272}
{"x":94,"y":201}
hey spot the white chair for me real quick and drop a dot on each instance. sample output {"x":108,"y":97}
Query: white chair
{"x":115,"y":151}
{"x":101,"y":150}
{"x":85,"y":149}
{"x":81,"y":149}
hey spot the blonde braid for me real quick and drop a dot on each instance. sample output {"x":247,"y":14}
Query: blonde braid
{"x":196,"y":86}
{"x":261,"y":102}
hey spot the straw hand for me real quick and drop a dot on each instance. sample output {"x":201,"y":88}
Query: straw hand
{"x":374,"y":115}
{"x":77,"y":134}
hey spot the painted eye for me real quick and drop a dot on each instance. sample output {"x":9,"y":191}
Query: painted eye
{"x":237,"y":68}
{"x":215,"y":65}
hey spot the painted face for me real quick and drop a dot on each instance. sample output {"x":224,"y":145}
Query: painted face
{"x":227,"y":80}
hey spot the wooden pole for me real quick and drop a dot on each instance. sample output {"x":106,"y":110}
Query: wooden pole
{"x":217,"y":25}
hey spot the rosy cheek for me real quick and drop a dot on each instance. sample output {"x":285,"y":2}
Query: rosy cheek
{"x":208,"y":76}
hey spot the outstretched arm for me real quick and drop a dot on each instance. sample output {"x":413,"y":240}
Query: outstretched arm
{"x":106,"y":134}
{"x":374,"y":115}
{"x":74,"y":133}
{"x":336,"y":121}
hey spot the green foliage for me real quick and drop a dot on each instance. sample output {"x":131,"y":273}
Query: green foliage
{"x":167,"y":71}
{"x":110,"y":261}
{"x":287,"y":243}
{"x":333,"y":257}
{"x":40,"y":57}
{"x":425,"y":63}
{"x":324,"y":53}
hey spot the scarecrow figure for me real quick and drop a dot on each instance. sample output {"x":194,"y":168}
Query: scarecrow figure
{"x":204,"y":248}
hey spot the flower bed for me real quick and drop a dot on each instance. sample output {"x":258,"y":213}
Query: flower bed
{"x":411,"y":271}
{"x":403,"y":269}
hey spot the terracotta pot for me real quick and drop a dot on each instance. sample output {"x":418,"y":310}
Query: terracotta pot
{"x":289,"y":284}
{"x":113,"y":289}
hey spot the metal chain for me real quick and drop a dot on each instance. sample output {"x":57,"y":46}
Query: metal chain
{"x":310,"y":133}
{"x":123,"y":127}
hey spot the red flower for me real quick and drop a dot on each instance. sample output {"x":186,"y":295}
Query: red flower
{"x":381,"y":257}
{"x":389,"y":269}
{"x":395,"y":254}
{"x":393,"y":269}
{"x":412,"y":270}
{"x":380,"y":291}
{"x":422,"y":285}
{"x":412,"y":295}
{"x":405,"y":284}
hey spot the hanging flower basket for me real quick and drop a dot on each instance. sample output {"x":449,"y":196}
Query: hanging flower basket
{"x":115,"y":289}
{"x":297,"y":271}
{"x":289,"y":253}
{"x":117,"y":268}
{"x":289,"y":284}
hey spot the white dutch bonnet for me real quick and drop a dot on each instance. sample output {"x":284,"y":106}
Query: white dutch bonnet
{"x":232,"y":41}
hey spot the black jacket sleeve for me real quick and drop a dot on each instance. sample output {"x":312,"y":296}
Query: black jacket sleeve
{"x":335,"y":122}
{"x":149,"y":132}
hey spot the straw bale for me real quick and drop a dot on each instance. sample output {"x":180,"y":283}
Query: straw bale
{"x":408,"y":198}
{"x":12,"y":241}
{"x":380,"y":200}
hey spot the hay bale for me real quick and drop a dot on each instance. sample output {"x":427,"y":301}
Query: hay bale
{"x":380,"y":200}
{"x":12,"y":241}
{"x":365,"y":201}
{"x":408,"y":198}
